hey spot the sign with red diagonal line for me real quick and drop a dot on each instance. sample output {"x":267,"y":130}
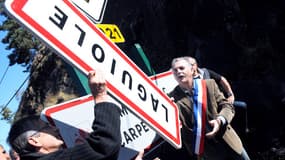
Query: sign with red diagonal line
{"x":76,"y":39}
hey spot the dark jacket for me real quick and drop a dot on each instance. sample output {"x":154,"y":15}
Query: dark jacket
{"x":103,"y":143}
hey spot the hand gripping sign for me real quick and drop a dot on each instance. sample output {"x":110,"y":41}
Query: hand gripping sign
{"x":76,"y":39}
{"x":136,"y":135}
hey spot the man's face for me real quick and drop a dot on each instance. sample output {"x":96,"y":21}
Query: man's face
{"x":47,"y":138}
{"x":182,"y":71}
{"x":4,"y":155}
{"x":50,"y":142}
{"x":194,"y":66}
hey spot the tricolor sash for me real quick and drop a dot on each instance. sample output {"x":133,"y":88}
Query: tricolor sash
{"x":200,"y":109}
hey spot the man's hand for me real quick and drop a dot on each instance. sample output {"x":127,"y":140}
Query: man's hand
{"x":97,"y":84}
{"x":216,"y":124}
{"x":231,"y":99}
{"x":140,"y":156}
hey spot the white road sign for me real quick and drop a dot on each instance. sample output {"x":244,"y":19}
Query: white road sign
{"x":93,"y":8}
{"x":74,"y":37}
{"x":74,"y":128}
{"x":136,"y":135}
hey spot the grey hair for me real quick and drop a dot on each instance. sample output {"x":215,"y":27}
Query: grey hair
{"x":185,"y":58}
{"x":21,"y":145}
{"x":192,"y":60}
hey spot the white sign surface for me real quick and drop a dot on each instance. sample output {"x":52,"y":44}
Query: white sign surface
{"x":74,"y":37}
{"x":93,"y":8}
{"x":74,"y":128}
{"x":136,"y":135}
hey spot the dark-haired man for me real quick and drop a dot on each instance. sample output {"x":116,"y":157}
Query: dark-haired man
{"x":34,"y":139}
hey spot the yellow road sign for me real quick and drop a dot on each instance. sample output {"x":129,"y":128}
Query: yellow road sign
{"x":112,"y":31}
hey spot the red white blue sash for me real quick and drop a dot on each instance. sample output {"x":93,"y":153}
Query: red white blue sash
{"x":200,"y":109}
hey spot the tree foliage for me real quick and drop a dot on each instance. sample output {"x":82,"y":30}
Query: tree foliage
{"x":6,"y":113}
{"x":22,"y":46}
{"x":21,"y":43}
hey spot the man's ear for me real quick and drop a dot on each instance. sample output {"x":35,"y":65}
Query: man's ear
{"x":192,"y":70}
{"x":34,"y":141}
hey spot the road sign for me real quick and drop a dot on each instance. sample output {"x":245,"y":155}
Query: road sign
{"x":93,"y":8}
{"x":74,"y":128}
{"x":136,"y":135}
{"x":75,"y":38}
{"x":112,"y":31}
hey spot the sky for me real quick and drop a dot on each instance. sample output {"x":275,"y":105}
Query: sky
{"x":11,"y":82}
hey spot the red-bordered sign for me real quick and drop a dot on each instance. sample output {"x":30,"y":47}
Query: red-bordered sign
{"x":136,"y":135}
{"x":76,"y":39}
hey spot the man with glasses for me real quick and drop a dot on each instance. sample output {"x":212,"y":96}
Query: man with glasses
{"x":34,"y":139}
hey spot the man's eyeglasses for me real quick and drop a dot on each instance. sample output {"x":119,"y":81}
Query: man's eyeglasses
{"x":45,"y":127}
